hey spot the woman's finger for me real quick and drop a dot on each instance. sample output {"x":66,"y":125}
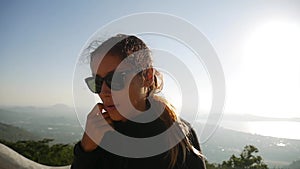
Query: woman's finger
{"x":102,"y":120}
{"x":97,"y":110}
{"x":107,"y":118}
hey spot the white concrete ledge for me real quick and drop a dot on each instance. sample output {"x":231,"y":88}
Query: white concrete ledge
{"x":9,"y":159}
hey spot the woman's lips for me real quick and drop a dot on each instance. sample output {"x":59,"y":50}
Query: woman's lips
{"x":110,"y":108}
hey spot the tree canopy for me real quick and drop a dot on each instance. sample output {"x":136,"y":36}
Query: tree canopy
{"x":246,"y":160}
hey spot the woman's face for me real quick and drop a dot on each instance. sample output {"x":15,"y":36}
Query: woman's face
{"x":125,"y":102}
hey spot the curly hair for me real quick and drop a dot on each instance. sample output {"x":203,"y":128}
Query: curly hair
{"x":130,"y":47}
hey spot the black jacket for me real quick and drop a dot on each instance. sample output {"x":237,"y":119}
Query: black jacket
{"x":102,"y":159}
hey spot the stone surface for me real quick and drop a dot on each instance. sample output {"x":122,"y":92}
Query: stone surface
{"x":9,"y":159}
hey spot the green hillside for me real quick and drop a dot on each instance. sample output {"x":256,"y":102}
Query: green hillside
{"x":12,"y":133}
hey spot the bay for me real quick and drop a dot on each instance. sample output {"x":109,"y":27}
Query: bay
{"x":280,"y":129}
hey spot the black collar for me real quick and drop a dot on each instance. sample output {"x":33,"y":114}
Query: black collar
{"x":141,"y":130}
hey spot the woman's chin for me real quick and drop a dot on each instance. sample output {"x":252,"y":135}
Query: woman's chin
{"x":116,"y":116}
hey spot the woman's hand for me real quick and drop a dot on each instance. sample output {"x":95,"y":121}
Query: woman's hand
{"x":97,"y":125}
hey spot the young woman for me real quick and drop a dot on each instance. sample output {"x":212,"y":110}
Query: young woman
{"x":122,"y":73}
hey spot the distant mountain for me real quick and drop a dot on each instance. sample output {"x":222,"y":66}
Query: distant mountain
{"x":13,"y":134}
{"x":57,"y":122}
{"x":45,"y":115}
{"x":54,"y":110}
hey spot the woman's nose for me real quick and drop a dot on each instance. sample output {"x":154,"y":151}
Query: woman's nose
{"x":105,"y":90}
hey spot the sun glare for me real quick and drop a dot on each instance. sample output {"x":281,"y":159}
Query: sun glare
{"x":271,"y":69}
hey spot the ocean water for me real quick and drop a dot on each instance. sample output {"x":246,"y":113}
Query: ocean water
{"x":280,"y":129}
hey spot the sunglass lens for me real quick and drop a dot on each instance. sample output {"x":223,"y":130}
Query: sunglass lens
{"x":116,"y":82}
{"x":92,"y":85}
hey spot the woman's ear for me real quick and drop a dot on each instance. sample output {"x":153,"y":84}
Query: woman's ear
{"x":148,"y":76}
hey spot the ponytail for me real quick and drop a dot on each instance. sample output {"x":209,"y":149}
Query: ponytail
{"x":169,"y":117}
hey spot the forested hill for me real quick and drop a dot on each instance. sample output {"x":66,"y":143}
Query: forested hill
{"x":13,"y":134}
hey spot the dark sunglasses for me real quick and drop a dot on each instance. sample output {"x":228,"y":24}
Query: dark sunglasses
{"x":114,"y":80}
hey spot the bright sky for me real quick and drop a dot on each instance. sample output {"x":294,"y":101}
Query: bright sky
{"x":257,"y":43}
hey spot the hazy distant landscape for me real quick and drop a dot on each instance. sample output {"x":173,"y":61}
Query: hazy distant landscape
{"x":60,"y":123}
